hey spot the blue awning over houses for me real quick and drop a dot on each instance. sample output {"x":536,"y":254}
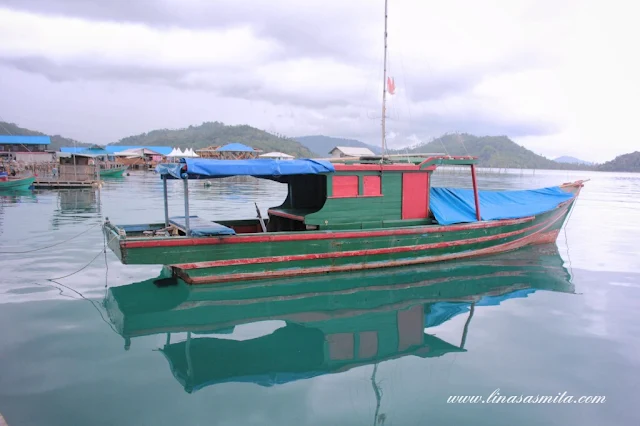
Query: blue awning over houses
{"x":111,"y":149}
{"x":24,"y":140}
{"x":236,"y":147}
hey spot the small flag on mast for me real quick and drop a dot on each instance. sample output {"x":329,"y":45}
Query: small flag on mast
{"x":391,"y":86}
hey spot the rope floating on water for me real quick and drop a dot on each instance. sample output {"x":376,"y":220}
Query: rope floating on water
{"x":50,"y":246}
{"x":103,"y":250}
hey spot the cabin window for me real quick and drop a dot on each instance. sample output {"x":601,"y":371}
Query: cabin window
{"x":372,"y":185}
{"x":345,"y":186}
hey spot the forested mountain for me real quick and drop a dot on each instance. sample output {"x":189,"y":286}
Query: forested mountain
{"x":623,"y":163}
{"x":570,"y":160}
{"x":492,"y":151}
{"x":321,"y":145}
{"x":216,"y":133}
{"x":57,"y":141}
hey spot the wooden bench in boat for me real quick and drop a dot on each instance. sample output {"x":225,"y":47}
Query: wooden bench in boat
{"x":200,"y":227}
{"x":294,"y":214}
{"x":288,"y":219}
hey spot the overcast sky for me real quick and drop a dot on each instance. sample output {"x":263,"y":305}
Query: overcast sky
{"x":560,"y":77}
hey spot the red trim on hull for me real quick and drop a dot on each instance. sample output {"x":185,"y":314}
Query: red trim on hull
{"x":546,"y":237}
{"x":388,"y":250}
{"x":332,"y":255}
{"x":529,"y":239}
{"x":310,"y":236}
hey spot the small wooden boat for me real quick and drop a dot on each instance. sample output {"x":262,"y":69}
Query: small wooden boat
{"x":112,"y":169}
{"x":323,"y":324}
{"x":362,"y":214}
{"x":15,"y":182}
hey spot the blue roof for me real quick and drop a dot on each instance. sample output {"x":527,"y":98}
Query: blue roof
{"x":236,"y":147}
{"x":164,"y":150}
{"x":25,"y":140}
{"x":268,"y":168}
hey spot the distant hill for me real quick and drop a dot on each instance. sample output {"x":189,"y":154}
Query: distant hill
{"x":492,"y":151}
{"x":216,"y":133}
{"x":57,"y":141}
{"x":623,"y":163}
{"x":321,"y":145}
{"x":570,"y":160}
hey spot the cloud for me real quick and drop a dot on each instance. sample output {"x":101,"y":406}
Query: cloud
{"x":317,"y":29}
{"x":527,"y":69}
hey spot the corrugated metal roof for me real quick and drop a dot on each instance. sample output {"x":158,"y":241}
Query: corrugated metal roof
{"x":353,"y":151}
{"x":25,"y":140}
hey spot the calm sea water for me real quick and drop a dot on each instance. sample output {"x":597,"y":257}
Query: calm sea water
{"x":70,"y":353}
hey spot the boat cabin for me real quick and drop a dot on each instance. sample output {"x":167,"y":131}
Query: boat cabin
{"x":335,"y":194}
{"x":360,"y":194}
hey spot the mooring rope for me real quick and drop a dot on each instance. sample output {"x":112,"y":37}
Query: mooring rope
{"x":566,"y":239}
{"x":103,"y":250}
{"x":83,"y":297}
{"x":52,"y":245}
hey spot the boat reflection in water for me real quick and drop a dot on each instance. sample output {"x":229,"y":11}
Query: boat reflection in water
{"x":76,"y":205}
{"x":324,"y":324}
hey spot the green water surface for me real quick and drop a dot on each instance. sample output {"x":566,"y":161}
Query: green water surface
{"x":109,"y":344}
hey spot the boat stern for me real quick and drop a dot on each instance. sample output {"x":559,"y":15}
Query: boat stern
{"x":114,"y":237}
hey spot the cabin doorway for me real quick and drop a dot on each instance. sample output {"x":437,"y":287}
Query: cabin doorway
{"x":415,"y":195}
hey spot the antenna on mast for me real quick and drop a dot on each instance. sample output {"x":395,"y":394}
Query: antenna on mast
{"x":384,"y":85}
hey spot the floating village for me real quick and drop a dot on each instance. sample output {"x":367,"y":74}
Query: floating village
{"x":27,"y":161}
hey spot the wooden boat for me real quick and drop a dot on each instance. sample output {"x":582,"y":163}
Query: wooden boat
{"x":15,"y":182}
{"x":331,"y":323}
{"x":342,"y":215}
{"x":111,"y":169}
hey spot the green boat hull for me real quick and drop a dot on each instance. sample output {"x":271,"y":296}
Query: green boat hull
{"x":17,"y":183}
{"x":285,"y":254}
{"x":113,"y":172}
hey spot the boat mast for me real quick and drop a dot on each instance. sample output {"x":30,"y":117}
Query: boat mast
{"x":384,"y":83}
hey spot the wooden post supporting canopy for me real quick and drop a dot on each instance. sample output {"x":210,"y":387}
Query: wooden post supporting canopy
{"x":186,"y":205}
{"x":166,"y":201}
{"x":475,"y":191}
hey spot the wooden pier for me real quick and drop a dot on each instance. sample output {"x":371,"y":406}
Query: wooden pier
{"x":53,"y":183}
{"x":74,"y":171}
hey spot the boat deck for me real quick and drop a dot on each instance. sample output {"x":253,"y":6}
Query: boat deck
{"x":200,"y":227}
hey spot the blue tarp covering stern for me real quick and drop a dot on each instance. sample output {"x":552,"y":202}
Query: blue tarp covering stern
{"x":454,"y":205}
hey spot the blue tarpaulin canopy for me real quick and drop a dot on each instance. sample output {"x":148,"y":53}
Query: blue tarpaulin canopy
{"x":453,"y":205}
{"x":200,"y":167}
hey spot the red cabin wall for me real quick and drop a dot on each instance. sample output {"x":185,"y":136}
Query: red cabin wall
{"x":415,"y":195}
